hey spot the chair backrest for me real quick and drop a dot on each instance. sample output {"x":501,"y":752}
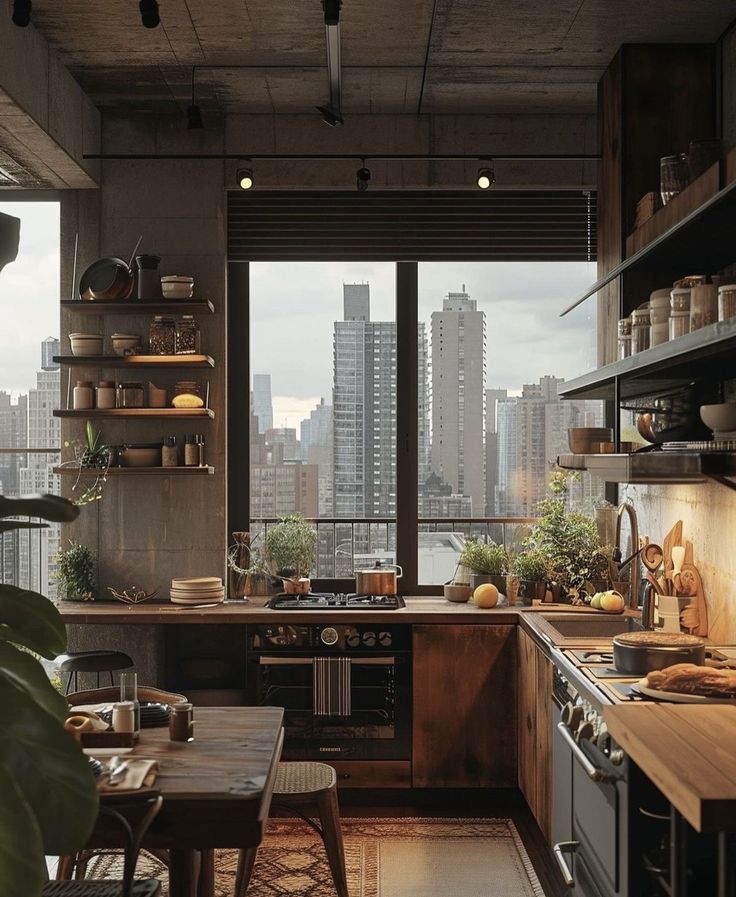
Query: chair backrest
{"x":111,"y":693}
{"x":133,"y":814}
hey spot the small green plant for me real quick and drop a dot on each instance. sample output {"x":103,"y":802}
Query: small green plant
{"x":290,"y":546}
{"x":91,"y":454}
{"x":531,"y":566}
{"x":484,"y":557}
{"x":76,"y":572}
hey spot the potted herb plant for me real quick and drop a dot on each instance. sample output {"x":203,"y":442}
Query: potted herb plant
{"x":530,"y":571}
{"x":487,"y":561}
{"x":76,"y":572}
{"x":290,"y":550}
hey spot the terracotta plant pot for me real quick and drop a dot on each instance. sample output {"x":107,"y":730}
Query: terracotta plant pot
{"x":297,"y":586}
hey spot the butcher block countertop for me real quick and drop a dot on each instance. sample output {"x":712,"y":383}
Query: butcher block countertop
{"x":688,"y":751}
{"x":417,"y":610}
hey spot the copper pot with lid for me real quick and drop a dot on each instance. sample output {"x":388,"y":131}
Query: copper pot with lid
{"x":381,"y":579}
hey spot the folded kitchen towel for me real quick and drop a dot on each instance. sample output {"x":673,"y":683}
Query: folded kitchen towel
{"x":138,"y":773}
{"x":331,"y":686}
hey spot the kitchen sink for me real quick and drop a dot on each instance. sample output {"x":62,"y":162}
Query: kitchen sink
{"x":590,"y":628}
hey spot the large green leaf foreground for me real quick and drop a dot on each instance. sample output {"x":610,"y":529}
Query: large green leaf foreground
{"x":49,"y":800}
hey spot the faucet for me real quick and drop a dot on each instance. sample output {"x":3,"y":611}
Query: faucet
{"x":627,"y":507}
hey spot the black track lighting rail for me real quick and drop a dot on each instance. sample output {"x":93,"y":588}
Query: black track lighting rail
{"x":347,"y":157}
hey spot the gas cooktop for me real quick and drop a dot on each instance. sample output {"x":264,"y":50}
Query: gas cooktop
{"x":335,"y":601}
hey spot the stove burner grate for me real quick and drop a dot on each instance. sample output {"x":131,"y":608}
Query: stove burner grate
{"x":335,"y":601}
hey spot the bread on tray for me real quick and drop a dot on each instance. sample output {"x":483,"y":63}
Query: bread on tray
{"x":688,"y":678}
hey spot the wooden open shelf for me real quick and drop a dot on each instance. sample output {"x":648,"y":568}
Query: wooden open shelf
{"x":134,"y":307}
{"x":135,"y":471}
{"x":140,"y":361}
{"x":655,"y":467}
{"x":151,"y":413}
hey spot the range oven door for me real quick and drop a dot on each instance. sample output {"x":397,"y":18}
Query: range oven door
{"x":364,"y":713}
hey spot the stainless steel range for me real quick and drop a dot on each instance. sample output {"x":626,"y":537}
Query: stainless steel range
{"x":335,"y":601}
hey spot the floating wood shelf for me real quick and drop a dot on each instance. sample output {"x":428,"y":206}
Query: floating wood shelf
{"x":134,"y":307}
{"x":655,"y":467}
{"x":141,"y":361}
{"x":704,"y":354}
{"x":152,"y":413}
{"x":133,"y":471}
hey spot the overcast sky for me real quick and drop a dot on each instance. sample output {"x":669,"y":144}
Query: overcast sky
{"x":294,"y":305}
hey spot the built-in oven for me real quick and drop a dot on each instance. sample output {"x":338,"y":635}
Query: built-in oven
{"x":589,"y":796}
{"x":345,"y":688}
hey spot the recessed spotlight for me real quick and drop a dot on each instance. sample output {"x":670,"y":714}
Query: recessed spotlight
{"x":245,"y":178}
{"x":149,"y":13}
{"x":362,"y":176}
{"x":330,"y":116}
{"x":486,"y":178}
{"x":194,"y":118}
{"x":22,"y":13}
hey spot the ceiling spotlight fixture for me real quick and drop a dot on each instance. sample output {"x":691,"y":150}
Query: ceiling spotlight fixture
{"x":362,"y":176}
{"x":245,"y":178}
{"x":22,"y":13}
{"x":194,"y":113}
{"x":330,"y":116}
{"x":149,"y":13}
{"x":486,"y":176}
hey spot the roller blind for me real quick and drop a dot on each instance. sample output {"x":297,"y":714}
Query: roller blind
{"x":417,"y":226}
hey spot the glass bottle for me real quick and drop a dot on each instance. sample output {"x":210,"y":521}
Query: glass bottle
{"x":170,"y":453}
{"x":129,"y":692}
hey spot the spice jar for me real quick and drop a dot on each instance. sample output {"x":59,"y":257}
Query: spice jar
{"x":149,"y":279}
{"x":726,"y":301}
{"x":624,"y":337}
{"x":181,"y":722}
{"x":187,"y":336}
{"x":640,"y":329}
{"x":680,"y":299}
{"x":703,"y":306}
{"x":170,"y":453}
{"x":83,"y":397}
{"x":679,"y":323}
{"x":162,"y":336}
{"x":105,"y":394}
{"x":123,"y":716}
{"x":130,"y":395}
{"x":673,"y":175}
{"x":191,"y":451}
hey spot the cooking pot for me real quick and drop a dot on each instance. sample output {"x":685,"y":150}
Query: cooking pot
{"x":674,"y":415}
{"x":382,"y":579}
{"x":107,"y":280}
{"x":637,"y":653}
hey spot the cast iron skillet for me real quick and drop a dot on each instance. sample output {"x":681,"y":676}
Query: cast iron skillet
{"x":107,"y":280}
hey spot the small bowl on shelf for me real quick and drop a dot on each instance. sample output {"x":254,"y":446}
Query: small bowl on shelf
{"x":142,"y":455}
{"x":125,"y":343}
{"x":177,"y":287}
{"x":584,"y":440}
{"x":720,"y":418}
{"x":84,"y":344}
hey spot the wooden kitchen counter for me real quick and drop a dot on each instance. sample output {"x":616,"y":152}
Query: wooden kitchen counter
{"x":418,"y":610}
{"x":688,"y":751}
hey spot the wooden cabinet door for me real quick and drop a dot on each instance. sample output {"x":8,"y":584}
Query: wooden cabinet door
{"x":534,"y":728}
{"x":464,"y":724}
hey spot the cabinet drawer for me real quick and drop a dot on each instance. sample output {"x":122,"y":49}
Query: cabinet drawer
{"x":372,"y":773}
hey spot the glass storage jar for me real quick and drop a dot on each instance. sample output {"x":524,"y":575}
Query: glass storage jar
{"x":703,"y":306}
{"x":187,"y":394}
{"x":187,"y":336}
{"x":679,"y":323}
{"x":680,"y":299}
{"x":624,"y":337}
{"x":105,"y":394}
{"x":130,"y":395}
{"x":673,"y":175}
{"x":162,"y":336}
{"x":726,"y":301}
{"x":640,"y":329}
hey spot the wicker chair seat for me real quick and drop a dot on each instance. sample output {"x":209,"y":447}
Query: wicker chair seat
{"x":295,"y":779}
{"x":88,"y":888}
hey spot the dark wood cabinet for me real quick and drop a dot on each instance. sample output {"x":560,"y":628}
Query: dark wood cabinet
{"x":464,"y":723}
{"x":534,"y":728}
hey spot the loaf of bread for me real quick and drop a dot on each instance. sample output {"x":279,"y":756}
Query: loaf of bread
{"x":687,"y":678}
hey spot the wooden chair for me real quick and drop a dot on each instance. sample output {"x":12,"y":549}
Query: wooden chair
{"x":301,"y":785}
{"x":76,"y":662}
{"x":112,"y":694}
{"x":133,"y":815}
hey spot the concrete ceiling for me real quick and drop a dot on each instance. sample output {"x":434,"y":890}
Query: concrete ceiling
{"x":483,"y":55}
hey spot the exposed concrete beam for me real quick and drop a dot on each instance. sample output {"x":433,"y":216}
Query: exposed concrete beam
{"x":46,"y":121}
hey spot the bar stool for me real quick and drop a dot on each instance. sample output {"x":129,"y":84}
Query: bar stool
{"x":298,"y":785}
{"x":76,"y":662}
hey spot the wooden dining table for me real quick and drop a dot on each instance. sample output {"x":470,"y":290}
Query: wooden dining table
{"x":216,"y":790}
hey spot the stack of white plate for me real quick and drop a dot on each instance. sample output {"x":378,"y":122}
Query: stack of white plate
{"x":197,"y":590}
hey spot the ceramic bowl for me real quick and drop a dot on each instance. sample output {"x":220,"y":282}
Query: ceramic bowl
{"x":721,"y":417}
{"x":176,"y":287}
{"x":123,"y":343}
{"x":458,"y":593}
{"x":583,"y":440}
{"x":86,"y":343}
{"x":140,"y":455}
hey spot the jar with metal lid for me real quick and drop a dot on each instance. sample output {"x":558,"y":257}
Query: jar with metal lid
{"x":640,"y":329}
{"x":679,"y":323}
{"x":680,"y":299}
{"x":181,"y":722}
{"x":162,"y":336}
{"x":673,"y":175}
{"x":726,"y":301}
{"x":624,"y":337}
{"x":105,"y":394}
{"x":130,"y":395}
{"x":83,"y":397}
{"x":703,"y":305}
{"x":187,"y":336}
{"x":170,"y":452}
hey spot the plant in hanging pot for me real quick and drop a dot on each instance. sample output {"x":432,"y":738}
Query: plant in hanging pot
{"x":487,"y":561}
{"x":530,"y":571}
{"x":290,"y":550}
{"x":75,"y":572}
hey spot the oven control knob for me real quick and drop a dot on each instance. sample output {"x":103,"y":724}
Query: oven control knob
{"x":572,"y":715}
{"x":585,"y":732}
{"x":617,"y":756}
{"x":329,"y":635}
{"x":369,"y":639}
{"x":352,"y":637}
{"x":384,"y":638}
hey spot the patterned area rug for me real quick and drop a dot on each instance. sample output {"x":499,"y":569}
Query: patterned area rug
{"x":396,"y":857}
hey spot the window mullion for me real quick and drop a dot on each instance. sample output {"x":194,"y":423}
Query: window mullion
{"x":407,"y":398}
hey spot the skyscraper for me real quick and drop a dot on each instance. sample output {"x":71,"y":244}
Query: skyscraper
{"x":262,"y":402}
{"x":316,"y":448}
{"x":364,"y":410}
{"x":49,"y":348}
{"x":423,"y":409}
{"x":458,"y":383}
{"x":493,"y":396}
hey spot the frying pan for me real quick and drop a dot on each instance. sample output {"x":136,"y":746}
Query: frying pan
{"x":107,"y":280}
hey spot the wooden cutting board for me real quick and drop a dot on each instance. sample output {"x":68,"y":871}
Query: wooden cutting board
{"x":673,"y":537}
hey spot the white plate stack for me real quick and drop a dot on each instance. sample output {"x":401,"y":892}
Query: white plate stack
{"x":197,"y":590}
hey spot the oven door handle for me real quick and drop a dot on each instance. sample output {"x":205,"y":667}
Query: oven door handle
{"x":591,"y":770}
{"x":264,"y":660}
{"x":557,"y":850}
